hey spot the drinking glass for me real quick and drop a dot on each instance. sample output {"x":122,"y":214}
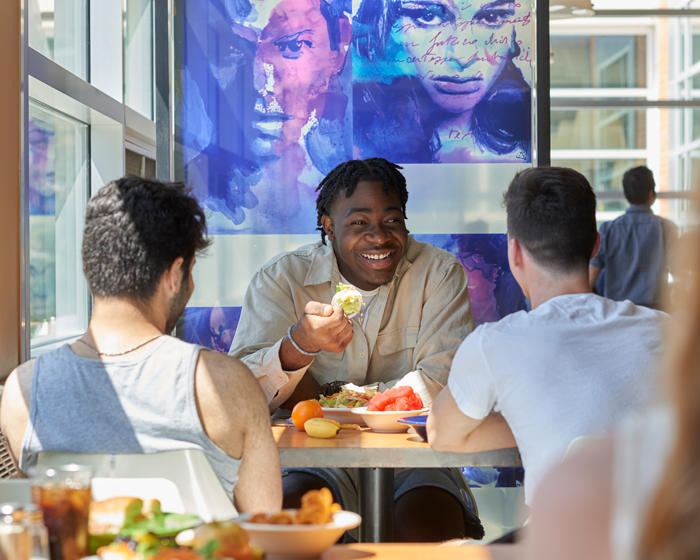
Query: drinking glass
{"x":63,"y":494}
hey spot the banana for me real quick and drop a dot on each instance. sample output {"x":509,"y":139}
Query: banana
{"x":321,"y":427}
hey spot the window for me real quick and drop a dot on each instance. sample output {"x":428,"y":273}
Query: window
{"x":623,"y":94}
{"x":57,"y":186}
{"x":58,"y":30}
{"x":79,"y":136}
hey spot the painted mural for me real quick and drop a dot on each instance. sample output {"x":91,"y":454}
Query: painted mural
{"x":440,"y":81}
{"x":272,"y":94}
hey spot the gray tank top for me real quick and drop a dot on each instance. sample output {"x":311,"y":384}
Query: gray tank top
{"x":117,"y":405}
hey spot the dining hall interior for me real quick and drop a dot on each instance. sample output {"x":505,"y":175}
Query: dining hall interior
{"x":252,"y":104}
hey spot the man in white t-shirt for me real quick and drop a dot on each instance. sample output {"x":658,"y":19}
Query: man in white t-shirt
{"x":571,"y":366}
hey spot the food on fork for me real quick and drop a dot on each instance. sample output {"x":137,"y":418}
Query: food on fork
{"x":397,"y":398}
{"x":317,"y":508}
{"x":347,"y":297}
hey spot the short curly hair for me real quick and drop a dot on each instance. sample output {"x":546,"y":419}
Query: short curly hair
{"x":134,"y":229}
{"x":344,"y":178}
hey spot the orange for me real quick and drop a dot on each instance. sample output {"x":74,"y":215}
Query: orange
{"x":304,"y":410}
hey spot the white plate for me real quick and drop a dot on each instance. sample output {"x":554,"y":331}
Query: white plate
{"x":341,"y":414}
{"x":298,"y":541}
{"x":387,"y":421}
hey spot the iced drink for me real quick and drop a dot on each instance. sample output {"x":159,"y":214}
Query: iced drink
{"x":63,"y":494}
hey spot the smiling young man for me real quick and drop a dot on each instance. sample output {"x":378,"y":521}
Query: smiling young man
{"x":416,"y":314}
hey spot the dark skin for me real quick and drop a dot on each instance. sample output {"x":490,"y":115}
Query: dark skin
{"x":368,"y":234}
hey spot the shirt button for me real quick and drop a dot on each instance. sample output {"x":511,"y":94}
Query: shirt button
{"x":362,"y":354}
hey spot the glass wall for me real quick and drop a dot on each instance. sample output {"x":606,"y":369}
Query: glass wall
{"x":57,"y":187}
{"x":82,"y":118}
{"x":58,"y":29}
{"x":623,"y":92}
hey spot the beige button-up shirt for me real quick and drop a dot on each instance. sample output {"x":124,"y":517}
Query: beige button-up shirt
{"x":415,"y":326}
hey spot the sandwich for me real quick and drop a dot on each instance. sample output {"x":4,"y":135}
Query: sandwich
{"x":347,"y":297}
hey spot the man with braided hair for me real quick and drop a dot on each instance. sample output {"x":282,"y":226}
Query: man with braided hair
{"x":416,"y":314}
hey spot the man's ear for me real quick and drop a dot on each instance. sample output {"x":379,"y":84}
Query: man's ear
{"x":174,"y":276}
{"x":515,"y":253}
{"x":596,"y":247}
{"x":327,"y":225}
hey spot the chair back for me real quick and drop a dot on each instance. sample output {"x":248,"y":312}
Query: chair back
{"x":144,"y":475}
{"x":8,"y":469}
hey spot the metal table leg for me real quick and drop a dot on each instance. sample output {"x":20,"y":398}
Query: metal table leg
{"x":376,"y":504}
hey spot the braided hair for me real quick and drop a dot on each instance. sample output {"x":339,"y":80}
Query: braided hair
{"x":344,"y":178}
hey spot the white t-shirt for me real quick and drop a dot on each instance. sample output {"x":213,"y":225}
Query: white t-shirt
{"x":573,"y":366}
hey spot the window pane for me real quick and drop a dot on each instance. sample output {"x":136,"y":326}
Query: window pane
{"x":57,"y":191}
{"x":598,"y":61}
{"x":598,"y":129}
{"x":605,"y":175}
{"x":138,"y":56}
{"x":58,"y":30}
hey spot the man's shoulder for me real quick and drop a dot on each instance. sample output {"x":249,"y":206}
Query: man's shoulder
{"x":302,"y":256}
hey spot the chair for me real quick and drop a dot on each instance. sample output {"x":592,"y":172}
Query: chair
{"x":8,"y":469}
{"x":186,"y":472}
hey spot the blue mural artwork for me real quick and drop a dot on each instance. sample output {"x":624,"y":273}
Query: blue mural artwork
{"x":493,"y":291}
{"x":436,"y":81}
{"x":262,"y":109}
{"x":211,"y":327}
{"x":272,"y":94}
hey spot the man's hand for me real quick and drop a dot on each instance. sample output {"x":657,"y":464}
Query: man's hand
{"x":323,"y":327}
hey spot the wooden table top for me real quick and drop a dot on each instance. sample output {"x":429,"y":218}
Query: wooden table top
{"x":491,"y":444}
{"x":391,"y":551}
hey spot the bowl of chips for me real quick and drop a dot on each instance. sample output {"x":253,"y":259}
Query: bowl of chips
{"x":300,"y":533}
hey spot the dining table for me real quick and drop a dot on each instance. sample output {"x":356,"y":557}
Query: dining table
{"x":420,"y":551}
{"x":376,"y":455}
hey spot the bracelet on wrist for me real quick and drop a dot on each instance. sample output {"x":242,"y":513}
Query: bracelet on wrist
{"x":297,"y":347}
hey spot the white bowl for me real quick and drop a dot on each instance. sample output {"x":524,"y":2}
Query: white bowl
{"x":387,"y":421}
{"x":298,"y":541}
{"x":344,"y":415}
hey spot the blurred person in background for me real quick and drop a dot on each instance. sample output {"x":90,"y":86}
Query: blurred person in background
{"x":634,"y":248}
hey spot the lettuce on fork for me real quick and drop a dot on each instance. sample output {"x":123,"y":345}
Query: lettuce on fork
{"x":348,"y":298}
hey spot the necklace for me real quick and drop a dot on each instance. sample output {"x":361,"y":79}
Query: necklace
{"x":115,"y":354}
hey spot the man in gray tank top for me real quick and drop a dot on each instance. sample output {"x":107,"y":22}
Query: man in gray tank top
{"x":125,"y":386}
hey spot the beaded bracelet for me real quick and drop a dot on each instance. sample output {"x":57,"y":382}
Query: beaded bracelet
{"x":296,"y":346}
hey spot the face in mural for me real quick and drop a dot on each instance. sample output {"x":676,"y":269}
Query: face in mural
{"x":295,"y":62}
{"x":457,"y":47}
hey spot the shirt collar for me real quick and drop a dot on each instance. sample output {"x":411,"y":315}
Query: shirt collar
{"x":324,"y":267}
{"x":639,"y":208}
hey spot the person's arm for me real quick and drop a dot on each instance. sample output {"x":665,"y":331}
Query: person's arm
{"x":468,"y":398}
{"x":261,"y":340}
{"x":571,"y":510}
{"x":14,"y":408}
{"x":234,"y":415}
{"x":448,"y":428}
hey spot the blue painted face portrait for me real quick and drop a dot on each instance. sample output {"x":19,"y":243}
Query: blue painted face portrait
{"x":267,"y":109}
{"x":441,"y":81}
